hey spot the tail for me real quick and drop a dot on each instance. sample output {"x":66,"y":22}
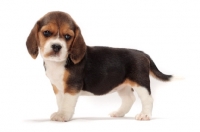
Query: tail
{"x":156,"y":73}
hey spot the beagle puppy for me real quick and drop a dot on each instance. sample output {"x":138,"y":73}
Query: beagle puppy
{"x":75,"y":69}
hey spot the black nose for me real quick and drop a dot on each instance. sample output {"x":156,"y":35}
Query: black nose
{"x":56,"y":47}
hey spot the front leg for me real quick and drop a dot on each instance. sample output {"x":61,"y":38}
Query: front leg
{"x":66,"y":105}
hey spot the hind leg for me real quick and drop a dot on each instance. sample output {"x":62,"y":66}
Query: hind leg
{"x":128,"y":99}
{"x":147,"y":103}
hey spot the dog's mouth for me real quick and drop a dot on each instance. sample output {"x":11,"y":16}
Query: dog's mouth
{"x":52,"y":54}
{"x":55,"y":54}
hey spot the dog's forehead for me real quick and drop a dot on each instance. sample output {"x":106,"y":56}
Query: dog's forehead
{"x":58,"y":18}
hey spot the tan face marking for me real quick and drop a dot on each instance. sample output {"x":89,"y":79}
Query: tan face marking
{"x":58,"y":36}
{"x":49,"y":27}
{"x":59,"y":24}
{"x":66,"y":30}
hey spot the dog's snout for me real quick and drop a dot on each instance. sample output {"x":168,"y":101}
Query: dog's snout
{"x":56,"y":47}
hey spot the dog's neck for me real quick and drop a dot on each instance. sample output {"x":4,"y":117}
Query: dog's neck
{"x":55,"y":72}
{"x":53,"y":64}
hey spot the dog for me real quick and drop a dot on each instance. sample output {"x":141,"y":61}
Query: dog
{"x":75,"y":69}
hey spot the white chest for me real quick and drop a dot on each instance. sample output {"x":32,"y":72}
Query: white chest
{"x":55,"y":72}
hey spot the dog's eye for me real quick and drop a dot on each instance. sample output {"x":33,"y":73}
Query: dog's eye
{"x":47,"y":33}
{"x":67,"y":37}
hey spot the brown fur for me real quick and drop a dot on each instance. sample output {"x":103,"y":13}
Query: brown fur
{"x":67,"y":88}
{"x":42,"y":39}
{"x":32,"y":42}
{"x":76,"y":45}
{"x":97,"y":70}
{"x":132,"y":83}
{"x":55,"y":89}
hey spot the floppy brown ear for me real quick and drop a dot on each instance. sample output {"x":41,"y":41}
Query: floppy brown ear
{"x":78,"y":47}
{"x":32,"y":42}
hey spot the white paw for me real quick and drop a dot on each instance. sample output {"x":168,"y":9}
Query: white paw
{"x":143,"y":117}
{"x":61,"y":117}
{"x":117,"y":114}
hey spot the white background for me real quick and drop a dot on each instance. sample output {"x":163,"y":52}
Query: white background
{"x":168,"y":30}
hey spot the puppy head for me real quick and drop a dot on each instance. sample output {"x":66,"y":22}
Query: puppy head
{"x":56,"y":36}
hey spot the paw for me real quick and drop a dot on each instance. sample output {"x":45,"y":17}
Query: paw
{"x":117,"y":114}
{"x":62,"y":117}
{"x":143,"y":117}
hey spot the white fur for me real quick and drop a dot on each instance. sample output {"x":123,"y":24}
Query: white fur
{"x":66,"y":102}
{"x":128,"y":99}
{"x":147,"y":103}
{"x":66,"y":106}
{"x":174,"y":78}
{"x":61,"y":56}
{"x":55,"y":69}
{"x":55,"y":72}
{"x":118,"y":88}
